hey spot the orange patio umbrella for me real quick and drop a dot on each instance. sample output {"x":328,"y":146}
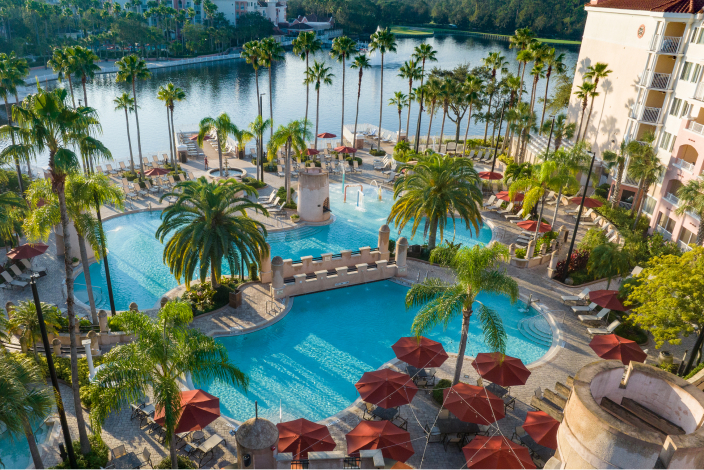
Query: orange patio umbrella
{"x":529,"y":225}
{"x":615,"y":347}
{"x":501,"y":369}
{"x":326,"y":135}
{"x":343,"y":149}
{"x":542,"y":428}
{"x":198,"y":409}
{"x":490,"y":175}
{"x":312,"y":152}
{"x":302,"y":436}
{"x":607,"y":299}
{"x":386,"y":388}
{"x":420,"y":352}
{"x":473,"y":404}
{"x":503,"y":195}
{"x":496,"y":452}
{"x":588,"y":202}
{"x":394,"y":442}
{"x":27,"y":251}
{"x":157,"y":172}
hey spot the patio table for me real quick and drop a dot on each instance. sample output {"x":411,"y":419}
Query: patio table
{"x":455,"y":426}
{"x":129,"y":460}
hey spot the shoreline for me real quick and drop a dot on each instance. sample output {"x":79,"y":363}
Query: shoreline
{"x":425,"y":32}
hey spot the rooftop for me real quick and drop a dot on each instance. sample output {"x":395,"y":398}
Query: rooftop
{"x":665,"y":6}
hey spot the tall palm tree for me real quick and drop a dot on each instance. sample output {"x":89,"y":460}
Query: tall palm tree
{"x":399,"y":100}
{"x":445,"y":96}
{"x":258,"y":127}
{"x":360,"y":62}
{"x":554,"y":63}
{"x":84,"y":66}
{"x":304,"y":45}
{"x":473,"y":89}
{"x":618,"y":161}
{"x":494,"y":62}
{"x":410,"y":70}
{"x":293,"y":138}
{"x":691,"y":197}
{"x":382,"y":41}
{"x":538,"y":72}
{"x":164,"y":95}
{"x":585,"y":91}
{"x":342,"y":49}
{"x":125,"y":101}
{"x":438,"y":188}
{"x":594,"y":73}
{"x":513,"y":85}
{"x":432,"y":91}
{"x":567,"y":164}
{"x":252,"y":53}
{"x":25,"y":399}
{"x":477,"y":270}
{"x":25,"y":322}
{"x":242,"y":136}
{"x":169,"y":94}
{"x":644,"y":166}
{"x":62,"y":64}
{"x":48,"y":125}
{"x":130,"y":69}
{"x":536,"y":187}
{"x":538,"y":51}
{"x":422,"y":53}
{"x":12,"y":74}
{"x":165,"y":349}
{"x":271,"y":52}
{"x":209,"y":224}
{"x":523,"y":57}
{"x":319,"y":75}
{"x":222,"y":126}
{"x":560,"y":131}
{"x":522,"y":38}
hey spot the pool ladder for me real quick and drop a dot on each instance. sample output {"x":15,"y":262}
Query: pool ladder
{"x":273,"y":307}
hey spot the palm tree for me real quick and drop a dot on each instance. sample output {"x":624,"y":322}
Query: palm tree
{"x":304,"y":45}
{"x":12,"y":209}
{"x":617,"y":160}
{"x":560,"y":131}
{"x":410,"y":70}
{"x":609,"y":260}
{"x":494,"y":62}
{"x":445,"y":93}
{"x":63,"y":66}
{"x":130,"y":69}
{"x":84,"y":66}
{"x":523,"y":57}
{"x":252,"y":53}
{"x":360,"y":62}
{"x":567,"y":165}
{"x":521,"y":40}
{"x":258,"y":128}
{"x":222,"y":126}
{"x":513,"y":85}
{"x":164,"y":351}
{"x":12,"y":74}
{"x":25,"y":399}
{"x":47,"y":124}
{"x":25,"y":323}
{"x":478,"y":270}
{"x":170,"y":94}
{"x":432,"y":94}
{"x":536,"y":187}
{"x":538,"y":72}
{"x":555,"y":63}
{"x":585,"y":91}
{"x":164,"y":95}
{"x":207,"y":224}
{"x":474,"y":89}
{"x":399,"y":100}
{"x":242,"y":136}
{"x":318,"y":74}
{"x":594,"y":73}
{"x":438,"y":187}
{"x":382,"y":41}
{"x":644,"y":166}
{"x":343,"y":48}
{"x":125,"y":101}
{"x":422,"y":52}
{"x":271,"y":52}
{"x":292,"y":137}
{"x":691,"y":198}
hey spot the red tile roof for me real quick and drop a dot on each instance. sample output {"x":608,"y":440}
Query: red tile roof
{"x":668,"y":6}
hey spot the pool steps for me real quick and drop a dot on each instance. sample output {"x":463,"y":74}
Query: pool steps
{"x":536,"y":329}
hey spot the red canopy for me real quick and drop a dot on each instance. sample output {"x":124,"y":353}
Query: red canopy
{"x":607,"y":299}
{"x":588,"y":202}
{"x":496,"y":452}
{"x":530,"y":225}
{"x":473,"y":404}
{"x":207,"y":137}
{"x":326,"y":135}
{"x":394,"y":442}
{"x":490,"y":175}
{"x":501,"y":369}
{"x":312,"y":151}
{"x":386,"y":388}
{"x":302,"y":436}
{"x":27,"y":251}
{"x":157,"y":172}
{"x":542,"y":428}
{"x":198,"y":409}
{"x":614,"y":347}
{"x":344,"y":149}
{"x":503,"y":195}
{"x":420,"y":352}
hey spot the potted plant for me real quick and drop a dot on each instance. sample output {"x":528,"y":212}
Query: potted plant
{"x":295,"y":218}
{"x":75,"y":261}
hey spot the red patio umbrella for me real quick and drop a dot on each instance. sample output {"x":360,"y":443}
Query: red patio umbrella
{"x":496,"y":452}
{"x":27,"y":251}
{"x":326,"y":135}
{"x":588,"y":202}
{"x":343,"y":149}
{"x":473,"y":404}
{"x":198,"y":409}
{"x":386,"y":388}
{"x":312,"y":151}
{"x":302,"y":436}
{"x":503,"y":195}
{"x":157,"y":172}
{"x":394,"y":442}
{"x":490,"y":175}
{"x":530,"y":225}
{"x":607,"y":299}
{"x":614,"y":347}
{"x":501,"y":369}
{"x":542,"y":428}
{"x":420,"y":352}
{"x":195,"y":137}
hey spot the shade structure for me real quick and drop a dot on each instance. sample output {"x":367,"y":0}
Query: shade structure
{"x":490,"y":175}
{"x":473,"y":404}
{"x":343,"y":149}
{"x":542,"y":428}
{"x":503,"y":370}
{"x":496,"y":452}
{"x":206,"y":137}
{"x":588,"y":202}
{"x":386,"y":388}
{"x":394,"y":442}
{"x":302,"y":436}
{"x":420,"y":352}
{"x":198,"y":409}
{"x":27,"y":251}
{"x":530,"y":225}
{"x":607,"y":299}
{"x":157,"y":172}
{"x":503,"y":195}
{"x":312,"y":151}
{"x":326,"y":135}
{"x":615,"y":347}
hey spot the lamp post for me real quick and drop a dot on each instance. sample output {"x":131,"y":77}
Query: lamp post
{"x":579,"y":216}
{"x":260,"y":167}
{"x":496,"y":145}
{"x":52,"y":373}
{"x":105,"y":258}
{"x":552,"y":126}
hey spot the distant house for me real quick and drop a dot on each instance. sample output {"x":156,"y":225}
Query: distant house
{"x":308,"y":23}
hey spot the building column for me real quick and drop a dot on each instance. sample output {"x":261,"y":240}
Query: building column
{"x":265,"y":268}
{"x":383,"y":242}
{"x":277,"y":281}
{"x":401,"y":255}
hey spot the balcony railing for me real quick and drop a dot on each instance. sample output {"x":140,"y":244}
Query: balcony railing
{"x":694,"y":215}
{"x":683,"y":246}
{"x":672,"y":199}
{"x":683,"y":165}
{"x":659,"y":81}
{"x":650,"y":115}
{"x":695,"y":127}
{"x":699,"y":91}
{"x":666,"y":44}
{"x":665,"y":234}
{"x":625,"y":205}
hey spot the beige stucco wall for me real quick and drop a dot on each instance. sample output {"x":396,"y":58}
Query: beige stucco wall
{"x":313,"y":190}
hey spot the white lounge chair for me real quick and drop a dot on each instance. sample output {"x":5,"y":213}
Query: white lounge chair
{"x":268,"y":205}
{"x":207,"y":447}
{"x":508,"y":209}
{"x":269,"y":198}
{"x":391,"y":178}
{"x":604,"y":331}
{"x":495,"y":206}
{"x":9,"y":281}
{"x":19,"y":274}
{"x":515,"y":218}
{"x":585,"y":308}
{"x":598,"y":317}
{"x":576,"y":298}
{"x":280,"y":172}
{"x":490,"y":201}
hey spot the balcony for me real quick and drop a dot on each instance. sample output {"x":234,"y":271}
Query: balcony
{"x":665,"y":234}
{"x":666,"y":44}
{"x":672,"y":199}
{"x":694,"y":215}
{"x":658,"y":81}
{"x":683,"y":165}
{"x":684,"y":247}
{"x":647,"y":114}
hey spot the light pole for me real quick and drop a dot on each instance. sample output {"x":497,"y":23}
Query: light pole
{"x":579,"y":216}
{"x":52,"y":373}
{"x":260,"y":166}
{"x":552,"y":126}
{"x":496,"y":145}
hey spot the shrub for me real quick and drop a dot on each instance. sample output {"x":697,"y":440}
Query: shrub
{"x":392,"y":245}
{"x":183,"y":462}
{"x":578,"y":262}
{"x":506,"y":160}
{"x":593,"y":238}
{"x":115,"y":323}
{"x":63,"y":324}
{"x":253,"y":182}
{"x":521,"y":253}
{"x":203,"y":298}
{"x":377,"y":152}
{"x":547,"y":237}
{"x":629,"y":330}
{"x":129,"y":175}
{"x":281,"y":193}
{"x":96,"y":458}
{"x":581,"y":277}
{"x":438,"y":390}
{"x":671,"y":368}
{"x":291,"y":205}
{"x":8,"y":181}
{"x":602,"y":190}
{"x":694,"y":371}
{"x":253,"y":272}
{"x":352,"y":159}
{"x":269,"y":167}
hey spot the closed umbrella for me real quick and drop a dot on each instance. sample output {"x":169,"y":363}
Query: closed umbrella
{"x":503,"y":370}
{"x":27,"y":251}
{"x":529,"y":225}
{"x":312,"y":152}
{"x":615,"y":347}
{"x":607,"y":299}
{"x":326,"y":135}
{"x":394,"y":442}
{"x":588,"y":202}
{"x":490,"y":175}
{"x":542,"y":428}
{"x":386,"y":388}
{"x":420,"y":352}
{"x":198,"y":409}
{"x":157,"y":172}
{"x":473,"y":404}
{"x":343,"y":149}
{"x":496,"y":452}
{"x":302,"y":436}
{"x":503,"y":195}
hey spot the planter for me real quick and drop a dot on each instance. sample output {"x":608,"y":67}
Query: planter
{"x":75,"y":264}
{"x":295,"y":220}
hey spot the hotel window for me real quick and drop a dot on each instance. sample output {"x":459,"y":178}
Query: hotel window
{"x":687,"y":237}
{"x":699,"y":35}
{"x":665,"y":141}
{"x":666,"y":223}
{"x":649,"y":205}
{"x":695,"y":74}
{"x":675,"y":107}
{"x":686,"y":71}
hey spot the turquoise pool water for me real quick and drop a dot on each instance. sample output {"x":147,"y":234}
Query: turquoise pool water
{"x":308,"y":362}
{"x":14,"y":453}
{"x":139,"y":275}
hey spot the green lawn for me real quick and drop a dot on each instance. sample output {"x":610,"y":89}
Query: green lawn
{"x":411,"y":31}
{"x":420,"y":32}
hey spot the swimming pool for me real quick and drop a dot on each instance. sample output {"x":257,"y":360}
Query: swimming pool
{"x":139,"y":275}
{"x":14,"y":453}
{"x":308,"y":364}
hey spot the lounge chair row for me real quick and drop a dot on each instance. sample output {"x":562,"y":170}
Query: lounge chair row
{"x":14,"y":277}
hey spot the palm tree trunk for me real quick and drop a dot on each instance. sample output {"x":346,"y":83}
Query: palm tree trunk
{"x":17,"y":160}
{"x":466,"y":316}
{"x":85,"y":95}
{"x":288,"y":170}
{"x":70,"y":86}
{"x":213,"y":278}
{"x":700,"y":231}
{"x":430,"y":125}
{"x":635,"y":200}
{"x":432,"y":233}
{"x":408,"y":115}
{"x":557,"y":207}
{"x":317,"y":114}
{"x":356,"y":116}
{"x":305,"y":123}
{"x":172,"y":451}
{"x":399,"y":123}
{"x":168,"y":130}
{"x":171,"y":138}
{"x":342,"y":121}
{"x":86,"y":271}
{"x":617,"y":188}
{"x":442,"y":126}
{"x":129,"y":140}
{"x":520,"y":90}
{"x":139,"y":137}
{"x":381,"y":102}
{"x":219,"y":153}
{"x":466,"y":131}
{"x":271,"y":108}
{"x":640,"y":206}
{"x":581,"y":121}
{"x":540,"y":216}
{"x":33,"y":448}
{"x":545,"y":102}
{"x":532,"y":93}
{"x":589,"y":116}
{"x":488,"y":112}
